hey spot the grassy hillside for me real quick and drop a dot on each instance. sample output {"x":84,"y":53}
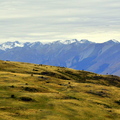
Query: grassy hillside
{"x":40,"y":92}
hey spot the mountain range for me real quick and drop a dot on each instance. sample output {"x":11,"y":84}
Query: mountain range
{"x":102,"y":58}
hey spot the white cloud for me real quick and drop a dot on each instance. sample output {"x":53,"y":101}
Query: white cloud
{"x":54,"y":19}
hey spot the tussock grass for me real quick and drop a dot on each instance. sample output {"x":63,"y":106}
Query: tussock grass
{"x":41,"y":92}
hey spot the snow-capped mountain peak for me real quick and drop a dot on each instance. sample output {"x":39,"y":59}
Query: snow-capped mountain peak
{"x":85,"y":41}
{"x":69,"y":41}
{"x":74,"y":41}
{"x":112,"y":41}
{"x":10,"y":45}
{"x":115,"y":41}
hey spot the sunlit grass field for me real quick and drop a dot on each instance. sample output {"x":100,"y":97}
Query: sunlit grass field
{"x":41,"y":92}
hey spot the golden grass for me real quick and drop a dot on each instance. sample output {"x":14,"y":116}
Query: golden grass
{"x":40,"y":92}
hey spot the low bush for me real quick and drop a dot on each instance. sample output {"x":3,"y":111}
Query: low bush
{"x":31,"y":89}
{"x":26,"y":99}
{"x":118,"y":102}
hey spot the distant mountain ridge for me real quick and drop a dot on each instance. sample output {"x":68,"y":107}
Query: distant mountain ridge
{"x":103,"y":58}
{"x":10,"y":45}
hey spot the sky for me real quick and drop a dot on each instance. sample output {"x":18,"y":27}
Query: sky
{"x":52,"y":20}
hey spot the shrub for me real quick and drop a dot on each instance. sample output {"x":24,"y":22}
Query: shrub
{"x":31,"y":89}
{"x":12,"y":96}
{"x":118,"y":102}
{"x":12,"y":86}
{"x":26,"y":99}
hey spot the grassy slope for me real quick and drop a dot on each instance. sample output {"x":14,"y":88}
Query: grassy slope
{"x":40,"y":92}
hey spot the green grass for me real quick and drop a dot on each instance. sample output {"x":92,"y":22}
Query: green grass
{"x":40,"y":92}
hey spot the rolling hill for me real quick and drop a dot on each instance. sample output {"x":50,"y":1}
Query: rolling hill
{"x":42,"y":92}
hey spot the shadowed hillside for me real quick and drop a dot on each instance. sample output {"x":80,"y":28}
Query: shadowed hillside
{"x":41,"y":92}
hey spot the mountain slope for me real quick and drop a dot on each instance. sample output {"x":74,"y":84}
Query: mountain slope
{"x":36,"y":91}
{"x":95,"y":57}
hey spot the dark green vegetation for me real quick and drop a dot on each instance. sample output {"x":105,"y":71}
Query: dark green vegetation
{"x":40,"y":92}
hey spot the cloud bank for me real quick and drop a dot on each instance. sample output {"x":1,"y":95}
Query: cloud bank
{"x":48,"y":20}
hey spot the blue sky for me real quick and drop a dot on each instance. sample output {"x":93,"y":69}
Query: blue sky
{"x":51,"y":20}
